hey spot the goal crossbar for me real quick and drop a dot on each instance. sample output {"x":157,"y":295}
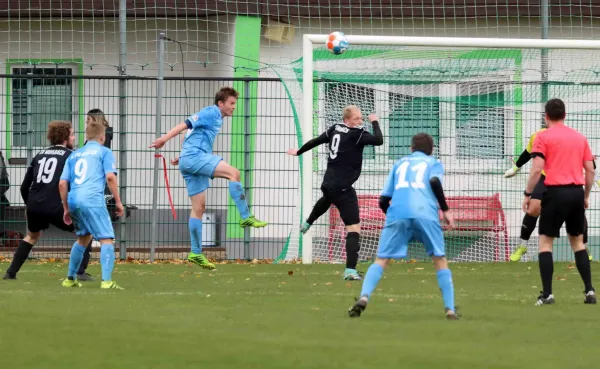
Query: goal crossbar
{"x":455,"y":42}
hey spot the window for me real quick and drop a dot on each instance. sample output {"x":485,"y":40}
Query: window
{"x":339,"y":95}
{"x":410,"y":115}
{"x":480,"y":120}
{"x":38,"y":101}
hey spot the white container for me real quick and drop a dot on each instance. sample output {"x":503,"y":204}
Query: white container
{"x":209,"y":230}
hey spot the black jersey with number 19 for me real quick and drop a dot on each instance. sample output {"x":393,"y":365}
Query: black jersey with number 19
{"x":345,"y":157}
{"x":40,"y":185}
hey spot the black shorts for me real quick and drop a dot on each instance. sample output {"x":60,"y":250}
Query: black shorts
{"x":39,"y":221}
{"x":346,"y":201}
{"x":562,"y":204}
{"x":539,"y":189}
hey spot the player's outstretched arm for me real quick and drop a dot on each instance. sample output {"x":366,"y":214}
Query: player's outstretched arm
{"x":523,"y":159}
{"x":322,"y":139}
{"x":375,"y":139}
{"x":161,"y":141}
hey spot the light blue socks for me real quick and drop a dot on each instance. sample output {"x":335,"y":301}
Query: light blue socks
{"x":236,"y":190}
{"x":372,"y":277}
{"x":195,"y":226}
{"x":444,"y":277}
{"x":107,"y":261}
{"x":75,"y":259}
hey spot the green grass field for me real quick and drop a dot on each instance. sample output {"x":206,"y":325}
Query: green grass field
{"x":260,"y":316}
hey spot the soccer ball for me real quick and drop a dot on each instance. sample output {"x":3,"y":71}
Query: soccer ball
{"x":337,"y":43}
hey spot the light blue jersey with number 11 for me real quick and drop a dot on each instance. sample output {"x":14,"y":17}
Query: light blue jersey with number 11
{"x":408,"y":186}
{"x":86,"y":170}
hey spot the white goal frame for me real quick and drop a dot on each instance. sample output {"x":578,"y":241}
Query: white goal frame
{"x":306,"y":125}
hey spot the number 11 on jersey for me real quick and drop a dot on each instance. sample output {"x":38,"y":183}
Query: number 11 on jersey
{"x":402,"y":171}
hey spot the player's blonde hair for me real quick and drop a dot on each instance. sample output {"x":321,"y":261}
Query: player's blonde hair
{"x":349,"y":110}
{"x":97,"y":115}
{"x":94,"y":131}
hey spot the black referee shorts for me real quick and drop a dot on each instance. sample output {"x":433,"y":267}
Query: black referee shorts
{"x":562,"y":204}
{"x":40,"y":221}
{"x":539,"y":189}
{"x":346,"y":201}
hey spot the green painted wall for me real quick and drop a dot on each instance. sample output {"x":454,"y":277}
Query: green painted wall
{"x":246,"y":64}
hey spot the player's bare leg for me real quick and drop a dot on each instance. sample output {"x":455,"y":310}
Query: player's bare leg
{"x":444,"y":277}
{"x":195,"y":227}
{"x":352,"y":249}
{"x":236,"y":191}
{"x":369,"y":284}
{"x":546,"y":264}
{"x":583,"y":266}
{"x":21,"y":254}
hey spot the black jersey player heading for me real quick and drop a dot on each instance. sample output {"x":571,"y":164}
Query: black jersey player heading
{"x":347,"y":141}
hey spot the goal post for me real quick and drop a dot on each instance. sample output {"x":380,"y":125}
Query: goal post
{"x":474,"y":79}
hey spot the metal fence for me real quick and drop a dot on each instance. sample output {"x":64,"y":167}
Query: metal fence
{"x":254,"y":140}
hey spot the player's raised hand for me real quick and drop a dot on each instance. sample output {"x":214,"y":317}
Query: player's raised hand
{"x":450,"y":219}
{"x":158,"y":143}
{"x":292,"y":152}
{"x":67,"y":218}
{"x":373,"y":117}
{"x":175,"y":161}
{"x":119,"y":209}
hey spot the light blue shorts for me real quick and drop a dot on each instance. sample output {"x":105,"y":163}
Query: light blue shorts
{"x":197,"y":171}
{"x":393,"y":243}
{"x":94,"y":221}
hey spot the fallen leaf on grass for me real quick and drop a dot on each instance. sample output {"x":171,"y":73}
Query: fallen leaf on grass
{"x":247,"y":279}
{"x":315,"y":309}
{"x":291,"y":272}
{"x":561,"y":278}
{"x":207,"y":295}
{"x":283,"y":283}
{"x":419,"y":268}
{"x":328,"y":283}
{"x":571,"y":266}
{"x":391,"y":300}
{"x":349,"y":285}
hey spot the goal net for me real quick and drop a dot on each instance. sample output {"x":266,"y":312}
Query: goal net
{"x":481,"y":104}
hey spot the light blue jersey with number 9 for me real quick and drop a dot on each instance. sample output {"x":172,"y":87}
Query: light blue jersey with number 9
{"x":408,"y":186}
{"x":86,"y":170}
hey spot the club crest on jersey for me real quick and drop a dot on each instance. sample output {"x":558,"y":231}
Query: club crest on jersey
{"x":194,"y":118}
{"x":342,"y":129}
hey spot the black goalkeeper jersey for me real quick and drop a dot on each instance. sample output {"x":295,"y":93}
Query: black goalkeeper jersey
{"x":345,"y":154}
{"x":39,"y":189}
